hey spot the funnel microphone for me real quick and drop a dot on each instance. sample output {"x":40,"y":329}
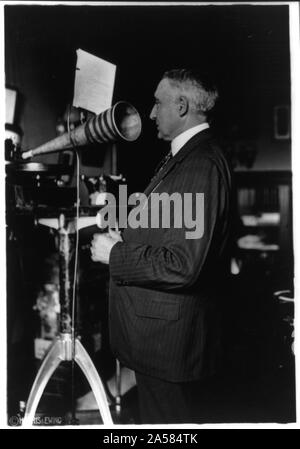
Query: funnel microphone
{"x":121,"y":122}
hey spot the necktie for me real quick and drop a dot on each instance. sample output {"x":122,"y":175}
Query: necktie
{"x":158,"y":169}
{"x":162,"y":164}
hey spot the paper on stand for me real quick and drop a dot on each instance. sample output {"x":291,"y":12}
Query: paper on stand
{"x":10,"y":105}
{"x":94,"y":83}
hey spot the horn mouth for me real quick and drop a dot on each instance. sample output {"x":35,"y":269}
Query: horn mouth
{"x":127,"y":121}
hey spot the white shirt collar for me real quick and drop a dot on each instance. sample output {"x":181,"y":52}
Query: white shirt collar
{"x":182,"y":138}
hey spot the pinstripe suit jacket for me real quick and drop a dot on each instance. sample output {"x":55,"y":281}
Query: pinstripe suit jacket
{"x":164,"y":288}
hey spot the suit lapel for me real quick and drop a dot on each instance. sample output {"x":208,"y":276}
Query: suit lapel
{"x":184,"y":151}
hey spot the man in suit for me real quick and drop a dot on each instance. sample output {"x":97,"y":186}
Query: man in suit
{"x":165,"y":288}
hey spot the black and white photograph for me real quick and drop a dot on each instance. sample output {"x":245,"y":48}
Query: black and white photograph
{"x":149,"y":215}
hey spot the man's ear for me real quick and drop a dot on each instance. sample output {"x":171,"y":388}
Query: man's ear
{"x":183,"y":105}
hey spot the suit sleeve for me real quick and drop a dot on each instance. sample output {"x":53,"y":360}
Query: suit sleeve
{"x":178,"y":261}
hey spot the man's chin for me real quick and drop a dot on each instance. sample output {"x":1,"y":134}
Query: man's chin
{"x":162,"y":136}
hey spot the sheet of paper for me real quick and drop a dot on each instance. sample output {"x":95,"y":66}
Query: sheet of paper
{"x":94,"y":82}
{"x":10,"y":103}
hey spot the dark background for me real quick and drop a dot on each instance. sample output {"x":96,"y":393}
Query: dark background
{"x":246,"y":50}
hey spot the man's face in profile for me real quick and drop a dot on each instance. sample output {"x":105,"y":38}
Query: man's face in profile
{"x":165,"y":111}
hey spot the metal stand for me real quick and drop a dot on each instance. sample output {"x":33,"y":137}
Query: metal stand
{"x":66,"y":347}
{"x":118,"y":387}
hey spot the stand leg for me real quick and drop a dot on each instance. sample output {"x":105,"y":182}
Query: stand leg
{"x":50,"y":363}
{"x":85,"y":363}
{"x":118,"y":387}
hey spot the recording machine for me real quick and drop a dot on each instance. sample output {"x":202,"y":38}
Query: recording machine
{"x":121,"y":122}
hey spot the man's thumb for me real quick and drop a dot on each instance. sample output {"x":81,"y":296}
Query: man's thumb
{"x":114,"y":234}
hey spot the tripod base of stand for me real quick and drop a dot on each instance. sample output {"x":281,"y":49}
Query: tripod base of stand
{"x":62,"y":350}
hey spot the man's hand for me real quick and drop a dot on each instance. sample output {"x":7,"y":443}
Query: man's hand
{"x":102,"y":244}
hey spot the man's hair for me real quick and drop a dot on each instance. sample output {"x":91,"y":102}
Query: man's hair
{"x":196,"y":86}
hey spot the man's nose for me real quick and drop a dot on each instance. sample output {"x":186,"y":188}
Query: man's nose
{"x":153,"y":113}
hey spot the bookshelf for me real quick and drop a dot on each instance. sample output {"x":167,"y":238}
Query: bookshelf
{"x":264,"y":205}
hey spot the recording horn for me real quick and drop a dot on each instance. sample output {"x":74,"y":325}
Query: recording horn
{"x":120,"y":122}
